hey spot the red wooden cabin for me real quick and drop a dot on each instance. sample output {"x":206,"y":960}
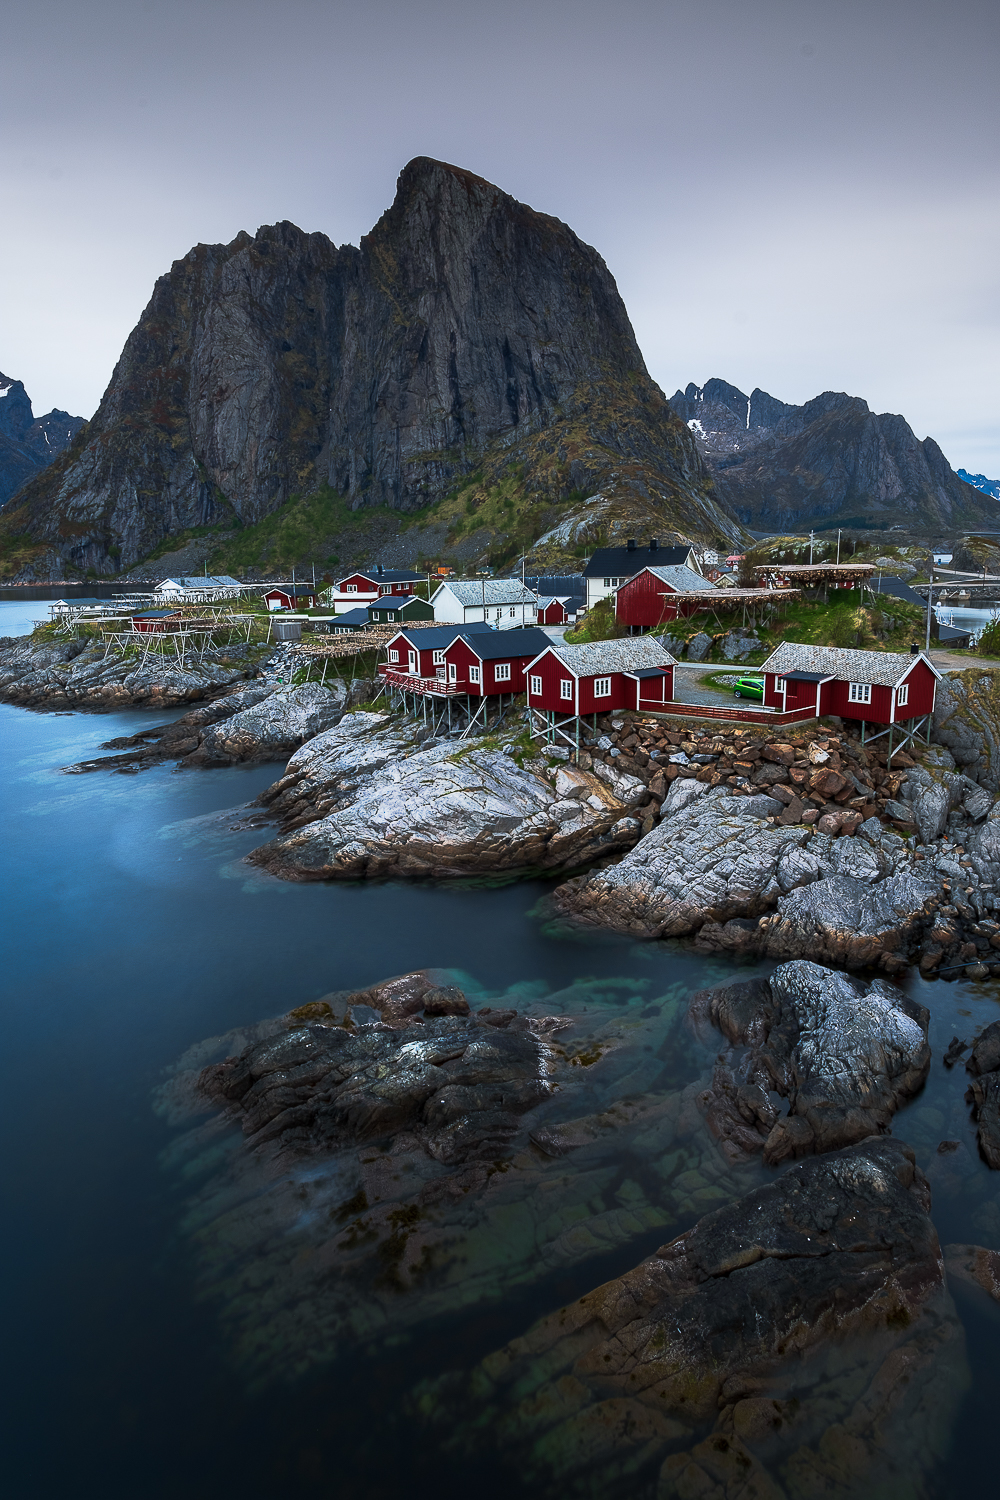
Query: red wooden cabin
{"x":877,"y":687}
{"x":380,"y":581}
{"x":420,"y":653}
{"x":644,"y":601}
{"x":600,"y":677}
{"x":489,"y":665}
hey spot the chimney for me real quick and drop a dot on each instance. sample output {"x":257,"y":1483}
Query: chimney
{"x":653,"y":544}
{"x":631,"y":544}
{"x":380,"y":568}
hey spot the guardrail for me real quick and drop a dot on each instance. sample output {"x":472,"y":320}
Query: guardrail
{"x":435,"y":687}
{"x":738,"y":715}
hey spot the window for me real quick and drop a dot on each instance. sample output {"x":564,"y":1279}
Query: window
{"x":607,"y":583}
{"x":501,"y":672}
{"x":413,"y":661}
{"x":602,"y":687}
{"x":474,"y":674}
{"x":861,"y":692}
{"x":512,"y":612}
{"x":350,"y":588}
{"x":565,"y":688}
{"x":534,"y":684}
{"x":902,"y":695}
{"x":439,"y":658}
{"x":394,"y":656}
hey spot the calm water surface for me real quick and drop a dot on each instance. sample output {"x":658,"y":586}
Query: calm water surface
{"x":131,"y":931}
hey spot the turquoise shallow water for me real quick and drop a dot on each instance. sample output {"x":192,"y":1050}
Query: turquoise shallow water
{"x":132,"y":931}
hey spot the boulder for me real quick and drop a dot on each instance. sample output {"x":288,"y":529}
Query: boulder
{"x":984,"y":1092}
{"x":170,"y":741}
{"x":967,"y":722}
{"x":736,"y":647}
{"x":699,"y":646}
{"x":804,"y":1330}
{"x":365,"y":798}
{"x":845,"y":1055}
{"x":271,"y":728}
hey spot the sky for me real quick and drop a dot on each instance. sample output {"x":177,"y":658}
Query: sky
{"x":794,"y":195}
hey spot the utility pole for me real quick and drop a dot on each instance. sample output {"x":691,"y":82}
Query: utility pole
{"x":812,"y":542}
{"x":930,"y":595}
{"x":838,"y":546}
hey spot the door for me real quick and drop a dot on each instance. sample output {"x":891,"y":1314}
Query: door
{"x":413,"y":663}
{"x":452,"y":673}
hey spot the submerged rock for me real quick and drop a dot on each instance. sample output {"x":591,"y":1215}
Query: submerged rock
{"x":78,"y":674}
{"x":799,"y":1341}
{"x":976,"y":1266}
{"x":367,"y":799}
{"x":844,"y":1054}
{"x":358,"y":1236}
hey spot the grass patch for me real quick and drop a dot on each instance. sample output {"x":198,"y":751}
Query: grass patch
{"x":598,"y":624}
{"x":300,"y":529}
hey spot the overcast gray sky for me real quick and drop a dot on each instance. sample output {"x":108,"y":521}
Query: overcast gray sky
{"x":797,"y":195}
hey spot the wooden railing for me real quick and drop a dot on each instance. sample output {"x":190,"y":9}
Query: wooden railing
{"x":739,"y":715}
{"x":409,"y":682}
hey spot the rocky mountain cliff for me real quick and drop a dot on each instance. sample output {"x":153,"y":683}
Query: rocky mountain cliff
{"x":467,"y":335}
{"x":28,"y":443}
{"x":831,"y":460}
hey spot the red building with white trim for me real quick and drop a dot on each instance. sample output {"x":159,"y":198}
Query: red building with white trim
{"x":600,"y":677}
{"x":644,"y":602}
{"x":553,"y":611}
{"x":291,"y":596}
{"x":489,"y":665}
{"x":876,"y":687}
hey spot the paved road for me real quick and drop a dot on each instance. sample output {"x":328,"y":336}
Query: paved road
{"x":687,"y":688}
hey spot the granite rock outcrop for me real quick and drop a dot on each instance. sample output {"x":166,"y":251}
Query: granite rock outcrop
{"x":845,"y":1055}
{"x":372,"y":798}
{"x":28,"y":443}
{"x":79,"y":674}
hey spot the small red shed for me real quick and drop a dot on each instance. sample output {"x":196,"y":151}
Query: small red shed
{"x":877,"y":687}
{"x":420,"y":653}
{"x":553,"y":611}
{"x":644,"y":601}
{"x":601,"y":676}
{"x":291,"y":596}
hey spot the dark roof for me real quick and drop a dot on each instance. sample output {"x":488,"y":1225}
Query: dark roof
{"x":396,"y":601}
{"x":502,"y":643}
{"x":386,"y":575}
{"x":616,"y":562}
{"x":647,"y":672}
{"x":890,"y":584}
{"x":156,"y":614}
{"x":804,"y":676}
{"x":559,"y":585}
{"x":432,"y":639}
{"x":352,"y":617}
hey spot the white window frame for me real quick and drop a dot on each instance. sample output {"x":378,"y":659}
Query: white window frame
{"x":535,"y":684}
{"x":413,"y":663}
{"x":350,"y":588}
{"x":438,"y":658}
{"x":452,"y":672}
{"x":475,"y":675}
{"x":859,"y":692}
{"x":566,"y":688}
{"x":501,"y":671}
{"x":602,"y":687}
{"x":902,"y":695}
{"x":394,"y":656}
{"x":512,"y":612}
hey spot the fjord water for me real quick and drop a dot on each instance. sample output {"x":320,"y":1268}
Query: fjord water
{"x":132,"y":931}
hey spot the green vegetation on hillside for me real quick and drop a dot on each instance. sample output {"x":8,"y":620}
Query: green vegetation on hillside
{"x":300,"y":531}
{"x":851,"y":619}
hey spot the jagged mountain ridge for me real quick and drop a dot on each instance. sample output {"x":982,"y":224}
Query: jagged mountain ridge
{"x":466,"y":333}
{"x":980,"y":482}
{"x":832,"y":460}
{"x":28,"y":443}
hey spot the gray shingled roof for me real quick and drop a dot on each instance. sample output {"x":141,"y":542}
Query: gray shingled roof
{"x":494,"y":590}
{"x":614,"y":656}
{"x":885,"y":668}
{"x":681,"y":578}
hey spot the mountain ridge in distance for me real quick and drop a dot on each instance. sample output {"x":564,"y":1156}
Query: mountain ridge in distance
{"x":28,"y":443}
{"x":980,"y":482}
{"x":830,"y":461}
